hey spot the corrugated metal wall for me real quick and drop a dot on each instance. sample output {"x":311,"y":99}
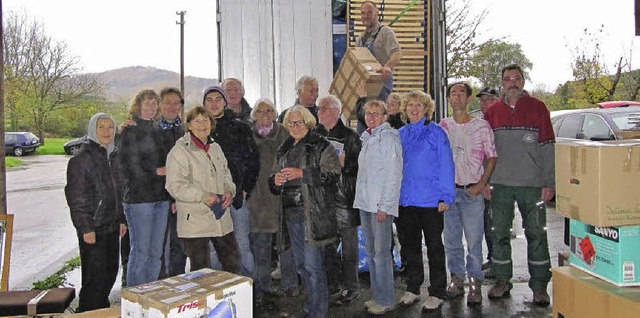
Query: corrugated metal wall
{"x":269,"y":44}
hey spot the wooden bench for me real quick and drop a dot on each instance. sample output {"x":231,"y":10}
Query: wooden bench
{"x":36,"y":302}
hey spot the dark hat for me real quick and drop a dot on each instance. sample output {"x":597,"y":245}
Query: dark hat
{"x":214,"y":88}
{"x":488,"y":91}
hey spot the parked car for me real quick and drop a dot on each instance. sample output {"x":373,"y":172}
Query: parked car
{"x":622,"y":103}
{"x":611,"y":123}
{"x":20,"y":143}
{"x":72,"y":146}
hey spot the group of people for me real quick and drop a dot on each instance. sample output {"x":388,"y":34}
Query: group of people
{"x":246,"y":182}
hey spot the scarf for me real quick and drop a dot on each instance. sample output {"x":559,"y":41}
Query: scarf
{"x":165,"y":125}
{"x":201,"y":145}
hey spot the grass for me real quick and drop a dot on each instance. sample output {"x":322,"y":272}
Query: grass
{"x":10,"y":162}
{"x":53,"y":146}
{"x":60,"y":277}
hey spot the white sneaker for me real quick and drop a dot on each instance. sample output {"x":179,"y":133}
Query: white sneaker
{"x":276,"y":274}
{"x":432,"y":303}
{"x":378,"y":310}
{"x":368,"y":303}
{"x":409,"y":299}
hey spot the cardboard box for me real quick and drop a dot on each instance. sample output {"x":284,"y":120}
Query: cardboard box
{"x":357,"y":65}
{"x":112,"y":312}
{"x":577,"y":294}
{"x":194,"y":294}
{"x":610,"y":253}
{"x":597,"y":182}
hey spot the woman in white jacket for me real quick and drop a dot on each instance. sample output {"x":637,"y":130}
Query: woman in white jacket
{"x":200,"y":181}
{"x":377,"y":196}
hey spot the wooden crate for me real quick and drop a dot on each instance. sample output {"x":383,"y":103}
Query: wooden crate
{"x":357,"y":65}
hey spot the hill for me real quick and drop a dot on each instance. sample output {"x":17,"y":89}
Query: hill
{"x":124,"y":83}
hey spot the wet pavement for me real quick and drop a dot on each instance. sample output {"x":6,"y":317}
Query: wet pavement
{"x":44,"y":239}
{"x":518,"y":304}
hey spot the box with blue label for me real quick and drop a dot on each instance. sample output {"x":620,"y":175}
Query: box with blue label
{"x":610,"y":253}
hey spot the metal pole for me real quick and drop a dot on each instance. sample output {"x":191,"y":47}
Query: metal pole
{"x":181,"y":23}
{"x":3,"y":168}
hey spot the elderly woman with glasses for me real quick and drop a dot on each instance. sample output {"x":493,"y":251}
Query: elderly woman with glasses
{"x":377,"y":195}
{"x":305,"y":175}
{"x":264,"y":206}
{"x":200,"y":181}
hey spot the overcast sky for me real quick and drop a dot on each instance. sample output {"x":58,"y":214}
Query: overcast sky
{"x":117,"y":33}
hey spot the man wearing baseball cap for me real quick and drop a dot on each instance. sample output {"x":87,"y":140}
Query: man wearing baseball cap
{"x":487,"y":97}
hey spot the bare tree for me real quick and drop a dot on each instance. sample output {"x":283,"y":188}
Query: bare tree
{"x":43,"y":72}
{"x":461,"y":32}
{"x":591,"y":71}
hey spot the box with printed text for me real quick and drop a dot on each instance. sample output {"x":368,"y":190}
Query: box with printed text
{"x":197,"y":294}
{"x":610,"y":253}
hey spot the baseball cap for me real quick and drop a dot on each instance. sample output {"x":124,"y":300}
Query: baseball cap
{"x":488,"y":91}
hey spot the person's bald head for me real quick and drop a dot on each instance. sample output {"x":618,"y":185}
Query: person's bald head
{"x":369,"y":15}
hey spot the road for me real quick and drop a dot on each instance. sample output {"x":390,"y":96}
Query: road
{"x":43,"y":236}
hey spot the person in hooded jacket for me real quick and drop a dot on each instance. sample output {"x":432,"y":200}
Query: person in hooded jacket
{"x":93,"y":196}
{"x":146,"y":204}
{"x":199,"y":179}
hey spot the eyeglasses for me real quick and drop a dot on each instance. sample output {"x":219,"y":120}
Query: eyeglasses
{"x":264,"y":111}
{"x":512,"y":79}
{"x":373,"y":114}
{"x":297,"y":123}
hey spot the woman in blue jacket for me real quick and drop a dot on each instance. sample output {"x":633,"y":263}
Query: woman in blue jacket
{"x":426,"y":192}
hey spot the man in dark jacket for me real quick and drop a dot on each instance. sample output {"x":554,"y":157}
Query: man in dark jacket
{"x":348,"y":145}
{"x":171,"y":129}
{"x":307,"y":92}
{"x":234,"y":90}
{"x":237,"y":143}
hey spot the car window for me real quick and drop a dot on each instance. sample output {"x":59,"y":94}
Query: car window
{"x":594,"y":126}
{"x":10,"y":138}
{"x":626,"y":121}
{"x":30,"y":136}
{"x":570,"y":126}
{"x":556,"y":122}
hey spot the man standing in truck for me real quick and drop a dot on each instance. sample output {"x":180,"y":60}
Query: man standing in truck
{"x":382,"y":43}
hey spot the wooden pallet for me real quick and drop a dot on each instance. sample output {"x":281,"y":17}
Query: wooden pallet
{"x":413,"y":33}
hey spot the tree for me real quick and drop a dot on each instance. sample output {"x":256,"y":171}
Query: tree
{"x":591,"y":71}
{"x":461,"y":31}
{"x":487,"y":62}
{"x":43,"y":72}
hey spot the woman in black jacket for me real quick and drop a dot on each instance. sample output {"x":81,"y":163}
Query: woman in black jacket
{"x":305,"y":175}
{"x":94,"y":201}
{"x":142,"y":158}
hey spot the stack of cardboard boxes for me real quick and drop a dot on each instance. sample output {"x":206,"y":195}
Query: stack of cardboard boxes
{"x":597,"y":188}
{"x":202,"y":293}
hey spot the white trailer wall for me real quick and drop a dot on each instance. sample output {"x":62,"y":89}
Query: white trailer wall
{"x":269,"y":44}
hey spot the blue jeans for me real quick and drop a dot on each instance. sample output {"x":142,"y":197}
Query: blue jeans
{"x":465,"y":215}
{"x":147,"y":225}
{"x":377,"y":239}
{"x":261,"y":245}
{"x":241,"y":230}
{"x":288,"y":269}
{"x":309,"y":265}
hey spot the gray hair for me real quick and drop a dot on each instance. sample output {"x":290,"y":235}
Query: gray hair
{"x":333,"y":100}
{"x":303,"y":80}
{"x":264,"y":101}
{"x":234,"y":80}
